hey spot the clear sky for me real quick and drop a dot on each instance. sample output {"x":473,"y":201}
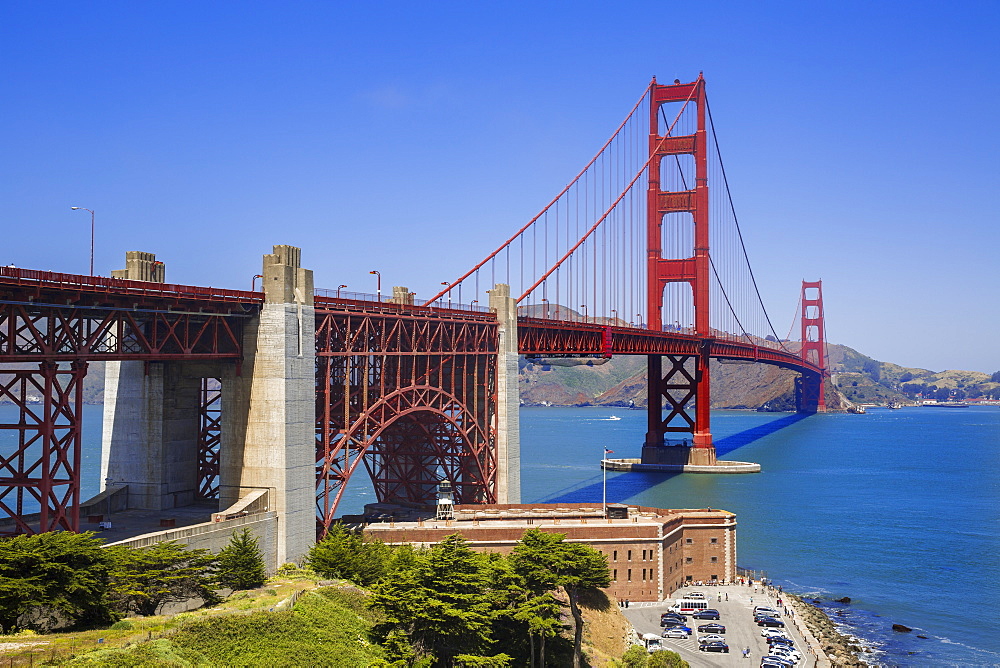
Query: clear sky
{"x":861,"y":141}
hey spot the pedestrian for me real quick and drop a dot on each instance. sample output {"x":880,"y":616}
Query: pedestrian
{"x":720,"y":598}
{"x":626,"y":603}
{"x":751,"y":600}
{"x":779,"y":601}
{"x":746,"y":653}
{"x":727,"y":595}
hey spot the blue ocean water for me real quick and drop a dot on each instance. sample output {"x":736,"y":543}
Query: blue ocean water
{"x":899,"y":510}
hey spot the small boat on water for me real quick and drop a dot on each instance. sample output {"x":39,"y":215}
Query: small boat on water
{"x":857,"y":410}
{"x":614,"y":417}
{"x":948,"y":404}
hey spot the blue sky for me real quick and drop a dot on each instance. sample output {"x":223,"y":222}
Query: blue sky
{"x":860,"y":141}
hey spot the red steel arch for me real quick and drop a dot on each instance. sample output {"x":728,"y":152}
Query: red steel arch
{"x":409,"y":391}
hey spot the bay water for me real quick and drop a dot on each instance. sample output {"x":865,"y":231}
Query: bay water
{"x":897,"y":509}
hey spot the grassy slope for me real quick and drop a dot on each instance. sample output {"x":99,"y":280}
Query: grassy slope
{"x":327,"y":627}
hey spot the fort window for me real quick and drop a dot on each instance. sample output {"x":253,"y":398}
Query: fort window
{"x":689,"y":540}
{"x":714,"y":541}
{"x":630,"y":575}
{"x":715,"y":560}
{"x":615,"y":558}
{"x":630,"y":555}
{"x":715,"y":577}
{"x":688,"y":560}
{"x":614,"y":575}
{"x":689,"y":578}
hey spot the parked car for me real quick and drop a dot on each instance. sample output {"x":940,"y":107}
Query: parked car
{"x":708,"y":613}
{"x":673,"y":615}
{"x":770,"y":621}
{"x":789,"y":653}
{"x":711,"y":637}
{"x":681,"y":632}
{"x":771,"y":612}
{"x":711,"y":628}
{"x":717,"y":646}
{"x":780,"y":640}
{"x":695,"y":594}
{"x":774,"y":633}
{"x":767,"y":662}
{"x":670,"y":621}
{"x":680,"y":627}
{"x":779,"y":661}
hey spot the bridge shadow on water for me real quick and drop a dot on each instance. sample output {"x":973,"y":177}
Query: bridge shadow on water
{"x":626,"y":485}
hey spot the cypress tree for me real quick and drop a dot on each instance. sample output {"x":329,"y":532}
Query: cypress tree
{"x":241,"y":564}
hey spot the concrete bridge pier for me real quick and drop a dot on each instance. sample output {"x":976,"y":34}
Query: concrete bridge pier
{"x":508,"y":397}
{"x":151,"y":418}
{"x":269,"y":410}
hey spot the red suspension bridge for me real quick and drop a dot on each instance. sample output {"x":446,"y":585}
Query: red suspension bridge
{"x":640,"y":254}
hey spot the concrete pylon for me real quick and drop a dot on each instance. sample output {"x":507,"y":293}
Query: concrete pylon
{"x":508,"y":397}
{"x":150,"y":436}
{"x":269,"y":410}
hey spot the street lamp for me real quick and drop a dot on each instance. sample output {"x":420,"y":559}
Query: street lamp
{"x":546,"y":302}
{"x":638,"y":319}
{"x":446,"y":283}
{"x":77,"y":208}
{"x":253,"y":282}
{"x":584,"y":307}
{"x":378,"y":278}
{"x":343,"y":285}
{"x":614,"y":317}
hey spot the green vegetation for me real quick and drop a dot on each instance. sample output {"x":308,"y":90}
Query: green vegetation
{"x":54,"y":579}
{"x":241,"y":564}
{"x":446,"y":606}
{"x":638,"y":657}
{"x":327,"y":627}
{"x":66,"y":580}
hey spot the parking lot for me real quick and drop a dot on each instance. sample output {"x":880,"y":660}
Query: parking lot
{"x":736,"y":614}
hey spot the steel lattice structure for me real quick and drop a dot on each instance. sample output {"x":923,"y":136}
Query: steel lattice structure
{"x":411,"y":393}
{"x":51,"y":326}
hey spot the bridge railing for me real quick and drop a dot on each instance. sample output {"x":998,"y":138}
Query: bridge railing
{"x":121,"y":286}
{"x":345,"y":295}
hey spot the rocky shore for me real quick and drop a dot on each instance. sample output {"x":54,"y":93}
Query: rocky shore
{"x":840,"y":650}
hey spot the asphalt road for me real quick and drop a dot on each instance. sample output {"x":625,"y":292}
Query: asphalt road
{"x":736,"y":614}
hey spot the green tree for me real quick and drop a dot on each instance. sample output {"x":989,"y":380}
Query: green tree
{"x":546,"y":561}
{"x":666,"y":659}
{"x":143,"y":579}
{"x":635,"y":656}
{"x":439,"y":606}
{"x":241,"y":564}
{"x":49,"y":579}
{"x":995,"y":378}
{"x":345,"y":554}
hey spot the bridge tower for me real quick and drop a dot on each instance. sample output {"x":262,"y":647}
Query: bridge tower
{"x":684,"y":387}
{"x":810,"y":395}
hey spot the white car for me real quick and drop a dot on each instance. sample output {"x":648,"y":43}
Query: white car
{"x":787,"y":653}
{"x":770,"y":612}
{"x":773,"y":633}
{"x":695,"y":595}
{"x":711,"y":637}
{"x":675,"y":633}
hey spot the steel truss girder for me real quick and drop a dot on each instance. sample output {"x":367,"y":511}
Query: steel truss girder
{"x":32,"y":332}
{"x":209,"y":437}
{"x":412,"y":397}
{"x":40,"y":478}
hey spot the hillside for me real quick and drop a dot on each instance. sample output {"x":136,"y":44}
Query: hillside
{"x":855,"y":378}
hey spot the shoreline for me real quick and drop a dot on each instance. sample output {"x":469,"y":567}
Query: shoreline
{"x":822,"y":634}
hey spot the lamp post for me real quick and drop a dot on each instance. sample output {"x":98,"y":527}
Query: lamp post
{"x":342,"y":285}
{"x":253,"y":282}
{"x":77,"y":208}
{"x":378,"y":279}
{"x":614,"y":317}
{"x":446,"y":283}
{"x":638,"y":319}
{"x":584,"y":307}
{"x":546,"y":302}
